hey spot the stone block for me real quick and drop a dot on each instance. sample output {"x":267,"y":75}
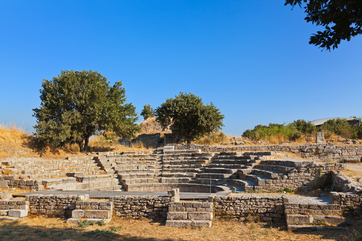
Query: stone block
{"x":319,"y":138}
{"x":4,"y":212}
{"x":4,"y":184}
{"x":5,"y":195}
{"x":77,"y":213}
{"x":178,"y":223}
{"x":200,"y":216}
{"x":332,"y":220}
{"x":101,"y":214}
{"x":201,"y":223}
{"x":177,"y":216}
{"x":295,"y":219}
{"x":19,"y":213}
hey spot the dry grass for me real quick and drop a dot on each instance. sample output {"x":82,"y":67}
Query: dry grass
{"x":354,"y":174}
{"x":38,"y":228}
{"x":98,"y":144}
{"x":14,"y":142}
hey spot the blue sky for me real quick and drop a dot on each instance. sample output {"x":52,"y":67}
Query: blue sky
{"x":250,"y":58}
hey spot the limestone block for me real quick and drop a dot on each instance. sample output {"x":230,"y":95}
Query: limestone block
{"x":18,"y":213}
{"x":5,"y":195}
{"x":4,"y":184}
{"x":201,"y":223}
{"x":177,"y":216}
{"x":333,"y":220}
{"x":200,"y":216}
{"x":319,"y":138}
{"x":101,"y":214}
{"x":296,"y":219}
{"x":178,"y":223}
{"x":77,"y":213}
{"x":4,"y":212}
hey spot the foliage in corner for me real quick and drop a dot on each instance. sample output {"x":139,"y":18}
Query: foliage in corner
{"x":342,"y":19}
{"x":188,"y":117}
{"x":78,"y":104}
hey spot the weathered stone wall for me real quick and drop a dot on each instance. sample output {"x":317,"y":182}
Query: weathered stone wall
{"x":310,"y":151}
{"x":345,"y":184}
{"x":351,"y":204}
{"x":149,"y":140}
{"x":94,"y":205}
{"x":303,"y":176}
{"x":249,"y":207}
{"x":14,"y":204}
{"x":309,"y":209}
{"x":52,"y":206}
{"x":141,"y":206}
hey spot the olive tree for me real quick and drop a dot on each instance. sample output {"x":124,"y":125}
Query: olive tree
{"x":76,"y":104}
{"x":188,"y":117}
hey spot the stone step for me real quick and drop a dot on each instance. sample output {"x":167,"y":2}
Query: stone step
{"x":98,"y":214}
{"x":267,"y":173}
{"x":136,"y":175}
{"x":282,"y":169}
{"x":281,"y":163}
{"x":298,"y":219}
{"x":232,"y":161}
{"x":219,"y":170}
{"x":183,"y":162}
{"x":207,"y":181}
{"x":93,"y":178}
{"x":190,"y":216}
{"x":179,"y":174}
{"x":175,"y":179}
{"x":190,"y":207}
{"x":213,"y":175}
{"x":245,"y":184}
{"x":222,"y":165}
{"x":133,"y":171}
{"x":137,"y":181}
{"x":259,"y":180}
{"x":170,"y":170}
{"x":183,"y":166}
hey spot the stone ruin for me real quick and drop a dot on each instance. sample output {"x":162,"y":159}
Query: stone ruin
{"x":215,"y":173}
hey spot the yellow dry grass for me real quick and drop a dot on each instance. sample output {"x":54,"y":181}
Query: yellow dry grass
{"x":38,"y":228}
{"x":99,"y":144}
{"x":354,"y":174}
{"x":14,"y":142}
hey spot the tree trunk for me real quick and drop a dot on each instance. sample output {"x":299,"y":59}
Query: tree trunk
{"x":86,"y":141}
{"x":188,"y":142}
{"x":80,"y":144}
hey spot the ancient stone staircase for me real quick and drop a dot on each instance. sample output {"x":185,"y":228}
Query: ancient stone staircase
{"x":185,"y":214}
{"x":182,"y":166}
{"x":309,"y":217}
{"x":92,"y":211}
{"x":223,"y":167}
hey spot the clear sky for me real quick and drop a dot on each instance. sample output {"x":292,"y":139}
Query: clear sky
{"x":250,"y":58}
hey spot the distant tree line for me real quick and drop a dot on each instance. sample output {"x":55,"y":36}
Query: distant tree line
{"x":298,"y":128}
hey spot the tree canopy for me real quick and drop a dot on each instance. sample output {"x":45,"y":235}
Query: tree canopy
{"x":188,"y":117}
{"x":76,"y":104}
{"x":342,"y":19}
{"x":147,"y":112}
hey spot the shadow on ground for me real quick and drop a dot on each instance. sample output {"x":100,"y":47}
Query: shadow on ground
{"x":16,"y":231}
